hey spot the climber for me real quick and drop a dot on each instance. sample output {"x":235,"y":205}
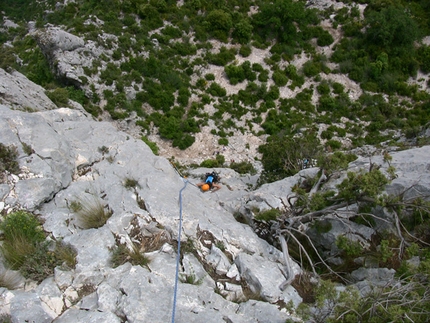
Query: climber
{"x":210,"y":183}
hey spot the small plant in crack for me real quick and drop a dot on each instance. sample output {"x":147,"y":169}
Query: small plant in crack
{"x":67,"y":254}
{"x":86,"y":290}
{"x":103,"y":150}
{"x":121,"y":255}
{"x":188,"y":246}
{"x":131,"y":183}
{"x":220,"y":245}
{"x":27,"y":149}
{"x":191,"y":278}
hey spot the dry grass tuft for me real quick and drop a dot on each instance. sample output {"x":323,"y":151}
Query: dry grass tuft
{"x":10,"y":279}
{"x":90,"y":212}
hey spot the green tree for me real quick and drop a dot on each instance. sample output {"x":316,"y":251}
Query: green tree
{"x":279,"y":19}
{"x":242,"y":32}
{"x":391,"y":28}
{"x":283,"y":155}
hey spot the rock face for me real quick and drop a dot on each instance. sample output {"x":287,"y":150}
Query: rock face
{"x":73,"y":157}
{"x":17,"y":91}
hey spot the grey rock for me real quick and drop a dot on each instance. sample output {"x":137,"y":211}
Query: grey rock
{"x":63,"y":278}
{"x":339,"y":227}
{"x":51,"y":296}
{"x":262,"y":312}
{"x":218,"y":260}
{"x":195,"y":270}
{"x":74,"y":315}
{"x":89,"y":302}
{"x":108,"y":298}
{"x":27,"y":307}
{"x":264,"y":277}
{"x":377,"y":276}
{"x":93,"y":247}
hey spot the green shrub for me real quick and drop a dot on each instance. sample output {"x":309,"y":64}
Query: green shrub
{"x":334,"y":144}
{"x":22,"y":224}
{"x":220,"y":159}
{"x":245,"y":50}
{"x":184,"y":141}
{"x":243,"y":168}
{"x":150,"y":144}
{"x":351,"y":248}
{"x":210,"y":163}
{"x":323,"y":88}
{"x":59,"y":96}
{"x":24,"y":247}
{"x":324,"y":38}
{"x":210,"y":77}
{"x":235,"y":73}
{"x":223,"y":141}
{"x":222,"y":58}
{"x":22,"y":234}
{"x":268,"y":215}
{"x":280,"y":78}
{"x":338,"y":88}
{"x":217,"y":90}
{"x":282,"y":153}
{"x":40,"y":263}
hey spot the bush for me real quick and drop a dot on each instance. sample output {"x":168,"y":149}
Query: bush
{"x":222,"y":58}
{"x":184,"y":141}
{"x":323,"y":88}
{"x":325,"y":38}
{"x":210,"y":163}
{"x":245,"y":50}
{"x":150,"y":144}
{"x":24,"y":247}
{"x":223,"y":141}
{"x":280,"y":78}
{"x":268,"y":215}
{"x":243,"y":168}
{"x":59,"y":96}
{"x":334,"y":144}
{"x":351,"y":248}
{"x":217,"y":90}
{"x":210,"y":77}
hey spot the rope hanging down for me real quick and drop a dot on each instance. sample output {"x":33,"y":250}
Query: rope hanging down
{"x":179,"y":251}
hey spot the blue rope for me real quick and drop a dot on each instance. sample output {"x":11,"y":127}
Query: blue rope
{"x":179,"y":252}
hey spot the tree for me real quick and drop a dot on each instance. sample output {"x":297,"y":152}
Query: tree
{"x":391,"y":28}
{"x":242,"y":31}
{"x":283,"y":155}
{"x":279,"y":19}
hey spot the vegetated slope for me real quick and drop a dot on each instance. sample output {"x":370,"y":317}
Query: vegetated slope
{"x":241,"y":78}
